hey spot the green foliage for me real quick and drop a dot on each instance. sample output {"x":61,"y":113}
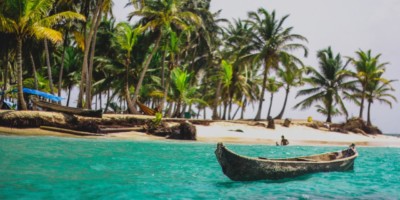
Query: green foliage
{"x":154,"y":123}
{"x":157,"y":119}
{"x":227,"y":73}
{"x":327,"y":83}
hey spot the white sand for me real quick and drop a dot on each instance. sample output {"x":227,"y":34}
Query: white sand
{"x":228,"y":132}
{"x":296,"y":134}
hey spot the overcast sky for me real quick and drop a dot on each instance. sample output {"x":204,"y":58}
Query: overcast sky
{"x":345,"y":25}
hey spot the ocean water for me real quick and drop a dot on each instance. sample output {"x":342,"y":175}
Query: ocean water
{"x":70,"y":168}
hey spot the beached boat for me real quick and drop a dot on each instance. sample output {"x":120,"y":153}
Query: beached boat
{"x":65,"y":109}
{"x":242,"y":168}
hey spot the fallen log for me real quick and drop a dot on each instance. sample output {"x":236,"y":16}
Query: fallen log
{"x":69,"y":131}
{"x":116,"y":130}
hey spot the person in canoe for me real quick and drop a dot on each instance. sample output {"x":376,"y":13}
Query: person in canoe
{"x":350,"y":151}
{"x":284,"y":141}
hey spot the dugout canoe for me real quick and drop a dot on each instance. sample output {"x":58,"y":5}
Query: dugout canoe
{"x":243,"y":168}
{"x":65,"y":109}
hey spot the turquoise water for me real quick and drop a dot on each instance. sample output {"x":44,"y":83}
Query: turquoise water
{"x":67,"y":168}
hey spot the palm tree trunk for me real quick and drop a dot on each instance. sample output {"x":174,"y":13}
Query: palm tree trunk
{"x":85,"y":67}
{"x":177,"y":109}
{"x":270,"y":106}
{"x":108,"y":100}
{"x":329,"y":119}
{"x":225,"y":110}
{"x":60,"y":75}
{"x":69,"y":94}
{"x":90,"y":67}
{"x":243,"y":108}
{"x":284,"y":104}
{"x":163,"y":69}
{"x":127,"y":93}
{"x":230,"y":107}
{"x":236,"y":111}
{"x":46,"y":47}
{"x":169,"y":110}
{"x":166,"y":88}
{"x":4,"y":80}
{"x":362,"y":103}
{"x":21,"y":101}
{"x":369,"y":114}
{"x":261,"y":98}
{"x":34,"y":71}
{"x":146,"y":65}
{"x":215,"y":115}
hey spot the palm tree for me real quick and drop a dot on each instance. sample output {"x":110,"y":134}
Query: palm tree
{"x":324,"y":109}
{"x":291,"y":76}
{"x":226,"y":76}
{"x":159,"y":16}
{"x":72,"y":58}
{"x":236,"y":38}
{"x":367,"y":69}
{"x":126,"y":38}
{"x":379,"y":89}
{"x":272,"y":86}
{"x":185,"y":93}
{"x":269,"y":41}
{"x":26,"y":18}
{"x":94,"y":11}
{"x":327,"y":83}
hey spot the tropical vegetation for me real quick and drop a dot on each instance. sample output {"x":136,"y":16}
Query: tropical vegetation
{"x":179,"y":57}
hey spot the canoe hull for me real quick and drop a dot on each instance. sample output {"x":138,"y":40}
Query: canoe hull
{"x":240,"y":168}
{"x":68,"y":110}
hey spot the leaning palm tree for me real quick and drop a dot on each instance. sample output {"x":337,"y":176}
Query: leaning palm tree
{"x":126,"y":38}
{"x":26,"y":18}
{"x":269,"y":41}
{"x":327,"y":83}
{"x":367,"y":69}
{"x":291,"y":76}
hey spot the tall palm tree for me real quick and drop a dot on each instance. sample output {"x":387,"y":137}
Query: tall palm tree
{"x":269,"y":41}
{"x":327,"y":83}
{"x":159,"y":16}
{"x":26,"y":18}
{"x":367,"y":69}
{"x":126,"y":38}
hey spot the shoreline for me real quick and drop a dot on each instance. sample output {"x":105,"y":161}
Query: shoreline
{"x":240,"y":133}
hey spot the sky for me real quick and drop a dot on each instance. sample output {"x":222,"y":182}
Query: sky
{"x":345,"y":25}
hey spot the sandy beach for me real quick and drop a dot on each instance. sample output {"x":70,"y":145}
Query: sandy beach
{"x":243,"y":133}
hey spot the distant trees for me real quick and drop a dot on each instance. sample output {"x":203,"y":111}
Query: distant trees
{"x":327,"y":83}
{"x":335,"y":80}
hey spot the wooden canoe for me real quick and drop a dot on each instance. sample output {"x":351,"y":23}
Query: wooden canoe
{"x":68,"y":110}
{"x":242,"y":168}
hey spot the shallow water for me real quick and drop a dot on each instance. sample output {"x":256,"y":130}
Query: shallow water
{"x":67,"y":168}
